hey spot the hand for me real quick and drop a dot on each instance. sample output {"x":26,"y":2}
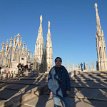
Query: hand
{"x":51,"y":95}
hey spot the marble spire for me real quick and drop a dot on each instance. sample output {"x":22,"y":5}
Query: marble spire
{"x":39,"y":46}
{"x":100,"y":44}
{"x":49,"y":52}
{"x":97,"y":18}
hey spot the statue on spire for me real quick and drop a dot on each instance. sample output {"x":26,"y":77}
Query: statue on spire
{"x":40,"y":27}
{"x":3,"y":46}
{"x":97,"y":18}
{"x":95,"y":5}
{"x":48,"y":24}
{"x":41,"y":19}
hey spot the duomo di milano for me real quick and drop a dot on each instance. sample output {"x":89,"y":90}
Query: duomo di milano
{"x":15,"y":51}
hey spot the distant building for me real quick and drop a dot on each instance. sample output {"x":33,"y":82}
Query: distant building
{"x":100,"y":44}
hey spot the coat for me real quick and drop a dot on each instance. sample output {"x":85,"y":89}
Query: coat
{"x":59,"y":81}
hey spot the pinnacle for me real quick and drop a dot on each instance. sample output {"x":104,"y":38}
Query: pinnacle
{"x":95,"y":5}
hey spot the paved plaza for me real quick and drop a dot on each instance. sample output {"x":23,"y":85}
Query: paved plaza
{"x":89,"y":89}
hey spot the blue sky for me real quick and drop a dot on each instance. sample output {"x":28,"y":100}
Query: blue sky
{"x":73,"y":25}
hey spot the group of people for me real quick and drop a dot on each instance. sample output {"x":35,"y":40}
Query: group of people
{"x":23,"y":68}
{"x":6,"y":73}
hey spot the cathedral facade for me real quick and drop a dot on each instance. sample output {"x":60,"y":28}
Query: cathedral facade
{"x":14,"y":52}
{"x":43,"y":55}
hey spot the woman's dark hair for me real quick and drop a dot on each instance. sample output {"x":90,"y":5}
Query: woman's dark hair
{"x":58,"y":58}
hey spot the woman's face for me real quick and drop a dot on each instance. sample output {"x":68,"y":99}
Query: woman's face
{"x":58,"y":62}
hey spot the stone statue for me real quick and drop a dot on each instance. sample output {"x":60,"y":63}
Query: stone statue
{"x":95,"y":5}
{"x":7,"y":46}
{"x":48,"y":24}
{"x":11,"y":42}
{"x":15,"y":42}
{"x":41,"y":19}
{"x":3,"y":46}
